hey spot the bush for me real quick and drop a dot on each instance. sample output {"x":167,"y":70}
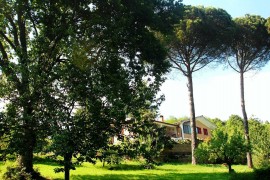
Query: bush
{"x":16,"y":173}
{"x":110,"y":156}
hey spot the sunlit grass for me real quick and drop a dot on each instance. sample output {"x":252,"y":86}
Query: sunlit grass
{"x":134,"y":170}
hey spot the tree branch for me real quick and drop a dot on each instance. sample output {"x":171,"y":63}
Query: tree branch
{"x":15,"y":30}
{"x":22,"y":30}
{"x":6,"y":66}
{"x":31,"y":19}
{"x":233,"y":67}
{"x":8,"y":40}
{"x":205,"y":64}
{"x":178,"y":66}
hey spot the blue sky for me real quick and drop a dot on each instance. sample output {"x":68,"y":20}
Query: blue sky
{"x":217,"y":89}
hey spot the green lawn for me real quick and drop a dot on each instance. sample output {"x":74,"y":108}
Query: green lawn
{"x":133,"y":170}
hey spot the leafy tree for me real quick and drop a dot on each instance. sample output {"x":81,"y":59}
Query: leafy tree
{"x":32,"y":37}
{"x":199,"y":39}
{"x":260,"y":137}
{"x":93,"y":108}
{"x":224,"y":147}
{"x":249,"y":50}
{"x":146,"y":140}
{"x":122,"y":80}
{"x":38,"y":38}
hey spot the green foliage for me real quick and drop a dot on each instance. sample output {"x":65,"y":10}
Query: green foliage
{"x":223,"y":146}
{"x":147,"y":140}
{"x":268,"y":25}
{"x":3,"y":136}
{"x":59,"y":57}
{"x":174,"y":120}
{"x":15,"y":173}
{"x":234,"y":123}
{"x":219,"y":123}
{"x":259,"y":136}
{"x":110,"y":156}
{"x":252,"y":40}
{"x":199,"y":38}
{"x":260,"y":141}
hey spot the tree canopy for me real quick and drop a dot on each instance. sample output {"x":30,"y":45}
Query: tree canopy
{"x":99,"y":56}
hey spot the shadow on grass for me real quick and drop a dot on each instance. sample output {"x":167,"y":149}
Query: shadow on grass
{"x":47,"y":163}
{"x":169,"y":176}
{"x":125,"y":167}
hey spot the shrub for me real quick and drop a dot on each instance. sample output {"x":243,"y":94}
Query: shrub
{"x":16,"y":173}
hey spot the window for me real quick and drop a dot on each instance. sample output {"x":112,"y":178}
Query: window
{"x":187,"y":129}
{"x":205,"y":131}
{"x":199,"y":130}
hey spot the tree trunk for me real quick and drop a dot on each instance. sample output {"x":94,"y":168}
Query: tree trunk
{"x":192,"y":119}
{"x":29,"y":137}
{"x":245,"y":120}
{"x":28,"y":140}
{"x":230,"y":168}
{"x":26,"y":160}
{"x":67,"y":161}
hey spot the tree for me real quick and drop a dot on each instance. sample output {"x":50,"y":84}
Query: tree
{"x":199,"y":39}
{"x":39,"y":38}
{"x":224,"y":147}
{"x":122,"y":80}
{"x":249,"y":50}
{"x":234,"y":123}
{"x":146,"y":139}
{"x":260,"y":141}
{"x":32,"y":35}
{"x":91,"y":107}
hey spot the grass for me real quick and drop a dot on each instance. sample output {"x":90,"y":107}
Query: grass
{"x":133,"y":170}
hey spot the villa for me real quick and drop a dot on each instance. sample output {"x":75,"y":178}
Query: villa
{"x":182,"y":130}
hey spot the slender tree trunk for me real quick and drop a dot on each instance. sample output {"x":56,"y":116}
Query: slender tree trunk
{"x":249,"y":157}
{"x":67,"y":160}
{"x":192,"y":119}
{"x":230,"y":168}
